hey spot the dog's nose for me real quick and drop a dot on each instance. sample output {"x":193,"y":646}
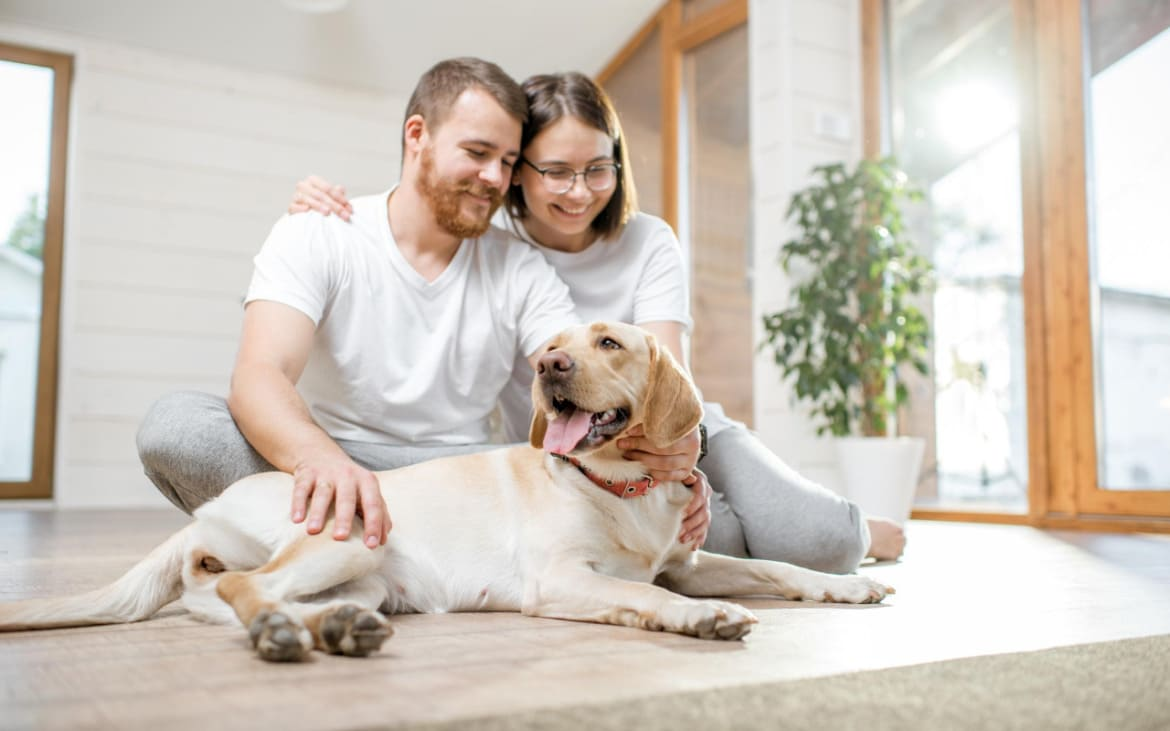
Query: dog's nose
{"x":554,"y":362}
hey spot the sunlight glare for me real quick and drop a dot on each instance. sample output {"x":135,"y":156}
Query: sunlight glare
{"x":972,"y":114}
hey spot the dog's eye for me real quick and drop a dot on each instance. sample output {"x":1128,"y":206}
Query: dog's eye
{"x":609,"y":344}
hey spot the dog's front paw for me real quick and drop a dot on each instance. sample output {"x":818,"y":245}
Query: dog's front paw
{"x":279,"y":637}
{"x":853,"y":589}
{"x":712,"y":620}
{"x":353,"y":630}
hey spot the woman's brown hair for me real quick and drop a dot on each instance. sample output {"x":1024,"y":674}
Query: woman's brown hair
{"x":552,"y":97}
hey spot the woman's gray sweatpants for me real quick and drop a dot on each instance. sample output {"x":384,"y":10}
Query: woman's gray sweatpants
{"x":763,"y":508}
{"x":191,"y":449}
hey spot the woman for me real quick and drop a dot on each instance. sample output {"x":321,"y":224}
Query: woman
{"x":572,"y":197}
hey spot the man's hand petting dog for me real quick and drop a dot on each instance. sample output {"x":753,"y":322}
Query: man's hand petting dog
{"x":351,"y":489}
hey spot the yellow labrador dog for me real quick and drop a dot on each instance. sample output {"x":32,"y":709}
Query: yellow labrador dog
{"x":563,"y":528}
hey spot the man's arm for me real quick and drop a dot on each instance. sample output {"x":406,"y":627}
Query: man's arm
{"x":274,"y":348}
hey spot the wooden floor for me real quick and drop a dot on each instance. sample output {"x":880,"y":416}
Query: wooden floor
{"x":963,"y":590}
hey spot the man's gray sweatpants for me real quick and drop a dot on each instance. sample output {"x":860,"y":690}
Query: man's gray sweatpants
{"x":191,"y":449}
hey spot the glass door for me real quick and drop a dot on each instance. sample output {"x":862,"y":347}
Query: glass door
{"x":954,"y":106}
{"x":636,"y":94}
{"x":681,"y":89}
{"x":714,"y":211}
{"x":1127,"y":155}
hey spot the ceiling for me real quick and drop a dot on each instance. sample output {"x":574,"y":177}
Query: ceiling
{"x":376,"y":44}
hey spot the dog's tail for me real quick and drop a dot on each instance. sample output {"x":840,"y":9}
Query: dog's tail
{"x":154,"y":582}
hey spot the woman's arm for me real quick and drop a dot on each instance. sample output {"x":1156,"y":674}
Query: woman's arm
{"x":317,"y":194}
{"x":669,"y":336}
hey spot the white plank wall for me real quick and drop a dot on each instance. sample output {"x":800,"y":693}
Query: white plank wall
{"x":805,"y":61}
{"x":177,"y":170}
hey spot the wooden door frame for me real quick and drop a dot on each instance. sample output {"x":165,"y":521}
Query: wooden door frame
{"x":44,"y":429}
{"x":675,"y":38}
{"x":1063,"y":489}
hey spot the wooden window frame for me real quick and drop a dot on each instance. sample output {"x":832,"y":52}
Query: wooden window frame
{"x":1063,"y":489}
{"x":41,"y":483}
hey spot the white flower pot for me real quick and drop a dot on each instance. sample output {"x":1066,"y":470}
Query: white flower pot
{"x":880,"y":473}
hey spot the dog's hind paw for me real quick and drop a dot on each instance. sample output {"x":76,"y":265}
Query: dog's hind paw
{"x":279,"y":637}
{"x":353,"y":630}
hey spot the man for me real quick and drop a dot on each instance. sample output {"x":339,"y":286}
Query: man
{"x":379,"y":342}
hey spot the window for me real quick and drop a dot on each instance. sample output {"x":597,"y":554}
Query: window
{"x":35,"y":87}
{"x":1129,"y":153}
{"x":1037,"y":130}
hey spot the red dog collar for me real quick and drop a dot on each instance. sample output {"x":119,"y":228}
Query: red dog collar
{"x":623,"y":489}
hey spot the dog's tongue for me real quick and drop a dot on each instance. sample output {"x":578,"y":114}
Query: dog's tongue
{"x":569,"y":428}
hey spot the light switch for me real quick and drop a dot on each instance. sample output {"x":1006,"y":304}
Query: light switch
{"x":833,"y":126}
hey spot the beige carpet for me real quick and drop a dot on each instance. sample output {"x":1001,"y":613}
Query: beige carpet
{"x":1115,"y":686}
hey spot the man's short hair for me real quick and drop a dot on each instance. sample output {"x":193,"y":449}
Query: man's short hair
{"x":443,"y":83}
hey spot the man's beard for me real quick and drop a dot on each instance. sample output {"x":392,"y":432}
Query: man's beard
{"x":445,"y":198}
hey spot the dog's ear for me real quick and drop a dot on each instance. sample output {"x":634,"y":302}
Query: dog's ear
{"x":537,"y":429}
{"x":539,"y":423}
{"x":671,"y":409}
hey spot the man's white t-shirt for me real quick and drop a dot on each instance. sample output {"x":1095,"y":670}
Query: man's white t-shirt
{"x":397,"y":359}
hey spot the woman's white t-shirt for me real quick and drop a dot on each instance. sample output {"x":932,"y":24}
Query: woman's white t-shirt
{"x":397,"y":359}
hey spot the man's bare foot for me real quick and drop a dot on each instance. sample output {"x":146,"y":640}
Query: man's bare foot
{"x":887,"y":540}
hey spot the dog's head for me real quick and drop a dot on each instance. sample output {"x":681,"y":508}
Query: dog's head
{"x":596,"y":381}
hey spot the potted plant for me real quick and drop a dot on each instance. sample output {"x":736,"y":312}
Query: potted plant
{"x":852,"y":328}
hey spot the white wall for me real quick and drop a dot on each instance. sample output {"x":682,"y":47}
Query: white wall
{"x":177,"y":169}
{"x":805,"y":63}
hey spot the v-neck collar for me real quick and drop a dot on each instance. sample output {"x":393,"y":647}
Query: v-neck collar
{"x":451,"y":273}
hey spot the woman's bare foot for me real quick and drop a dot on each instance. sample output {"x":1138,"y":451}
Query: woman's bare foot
{"x":887,"y":540}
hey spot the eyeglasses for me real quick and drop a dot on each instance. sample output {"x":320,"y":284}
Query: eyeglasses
{"x":561,"y":178}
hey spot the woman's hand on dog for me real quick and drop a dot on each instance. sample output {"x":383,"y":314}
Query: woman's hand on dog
{"x":697,"y":519}
{"x":349,"y":488}
{"x":671,"y":463}
{"x":675,"y":463}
